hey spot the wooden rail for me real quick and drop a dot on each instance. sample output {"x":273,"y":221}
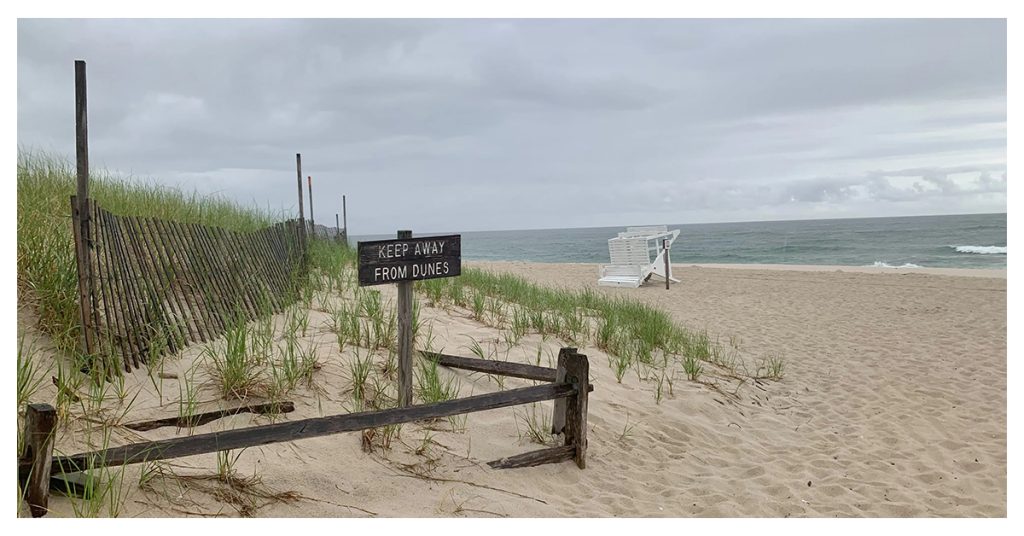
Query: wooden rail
{"x":503,"y":368}
{"x":35,"y":466}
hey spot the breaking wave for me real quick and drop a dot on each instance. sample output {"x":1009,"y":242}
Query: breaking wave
{"x":880,"y":264}
{"x":981,"y":250}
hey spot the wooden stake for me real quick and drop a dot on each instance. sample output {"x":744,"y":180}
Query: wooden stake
{"x":577,"y":371}
{"x":302,"y":216}
{"x":312,"y":226}
{"x":344,"y":219}
{"x":558,"y":417}
{"x":664,"y":245}
{"x":404,"y":338}
{"x":40,"y":420}
{"x":80,"y":209}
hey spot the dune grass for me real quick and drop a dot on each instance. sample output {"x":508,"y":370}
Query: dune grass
{"x":47,"y":277}
{"x":631,"y":332}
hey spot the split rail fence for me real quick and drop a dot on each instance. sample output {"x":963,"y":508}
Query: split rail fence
{"x":150,"y":286}
{"x":568,"y":386}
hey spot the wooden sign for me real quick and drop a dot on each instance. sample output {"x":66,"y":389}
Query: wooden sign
{"x":409,"y":259}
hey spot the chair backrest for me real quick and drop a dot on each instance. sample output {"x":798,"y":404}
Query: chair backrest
{"x":639,"y":245}
{"x":632,"y":251}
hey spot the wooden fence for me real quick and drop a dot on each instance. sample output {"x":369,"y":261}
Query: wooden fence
{"x":568,"y":386}
{"x":152,"y":286}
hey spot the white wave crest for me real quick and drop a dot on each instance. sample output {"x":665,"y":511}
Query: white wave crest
{"x":880,"y":264}
{"x":981,"y":250}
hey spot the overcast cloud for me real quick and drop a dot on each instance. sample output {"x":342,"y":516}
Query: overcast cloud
{"x":506,"y":124}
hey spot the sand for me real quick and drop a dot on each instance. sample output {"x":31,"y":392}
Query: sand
{"x":893,"y":403}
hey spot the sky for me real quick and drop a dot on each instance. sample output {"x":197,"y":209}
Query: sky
{"x":465,"y":125}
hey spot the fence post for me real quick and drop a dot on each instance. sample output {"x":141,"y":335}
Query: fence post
{"x":664,"y":245}
{"x":344,"y":218}
{"x":40,"y":421}
{"x":404,"y":338}
{"x":309,"y":184}
{"x":337,"y":228}
{"x":80,"y":209}
{"x":577,"y":372}
{"x":302,"y":215}
{"x":558,"y":417}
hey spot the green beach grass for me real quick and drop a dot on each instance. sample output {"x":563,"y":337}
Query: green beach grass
{"x":47,"y":277}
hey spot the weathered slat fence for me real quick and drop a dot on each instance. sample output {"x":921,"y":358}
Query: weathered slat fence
{"x":156,"y":285}
{"x":36,"y":465}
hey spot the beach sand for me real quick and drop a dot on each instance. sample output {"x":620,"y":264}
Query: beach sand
{"x":892,"y":403}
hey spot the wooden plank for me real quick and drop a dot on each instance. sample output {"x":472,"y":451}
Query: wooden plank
{"x":409,"y":259}
{"x":235,"y":292}
{"x":82,"y":266}
{"x":664,"y":245}
{"x":535,"y":458}
{"x":150,"y":281}
{"x":577,"y":373}
{"x":136,"y":298}
{"x":243,"y":272}
{"x":503,"y":368}
{"x":260,"y":279}
{"x":163,"y":298}
{"x":186,"y":271}
{"x":216,"y":281}
{"x":303,"y":429}
{"x":558,"y":415}
{"x":40,"y":421}
{"x":404,"y":312}
{"x":205,"y":278}
{"x":302,"y":217}
{"x":200,"y":419}
{"x":176,"y":255}
{"x":112,"y":307}
{"x":79,"y":211}
{"x":96,"y":289}
{"x":272,"y":271}
{"x":279,"y":258}
{"x":170,"y":279}
{"x":309,"y":185}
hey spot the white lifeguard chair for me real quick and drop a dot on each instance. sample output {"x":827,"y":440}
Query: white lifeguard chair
{"x":636,"y":255}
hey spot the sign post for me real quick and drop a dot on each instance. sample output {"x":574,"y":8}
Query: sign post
{"x":402,"y":261}
{"x":664,"y":245}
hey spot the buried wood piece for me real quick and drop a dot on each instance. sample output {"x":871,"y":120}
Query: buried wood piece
{"x":40,"y":420}
{"x":210,"y":416}
{"x":537,"y":457}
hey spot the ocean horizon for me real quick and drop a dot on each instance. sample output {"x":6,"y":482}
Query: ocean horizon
{"x":945,"y":241}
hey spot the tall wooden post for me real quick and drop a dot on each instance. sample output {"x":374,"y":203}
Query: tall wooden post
{"x":40,"y":421}
{"x":302,"y":215}
{"x":404,"y":338}
{"x":664,"y":245}
{"x":312,"y":226}
{"x":80,"y":210}
{"x":344,"y":218}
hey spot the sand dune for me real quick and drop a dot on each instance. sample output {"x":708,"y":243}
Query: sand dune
{"x":893,"y":403}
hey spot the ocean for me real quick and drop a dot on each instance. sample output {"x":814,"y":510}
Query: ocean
{"x":959,"y":241}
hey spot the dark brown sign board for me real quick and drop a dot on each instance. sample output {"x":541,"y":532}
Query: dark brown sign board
{"x":409,"y":259}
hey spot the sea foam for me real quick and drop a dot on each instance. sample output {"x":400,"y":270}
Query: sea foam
{"x":880,"y":264}
{"x":981,"y":250}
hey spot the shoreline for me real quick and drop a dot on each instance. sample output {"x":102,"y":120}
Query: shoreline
{"x":992,"y":273}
